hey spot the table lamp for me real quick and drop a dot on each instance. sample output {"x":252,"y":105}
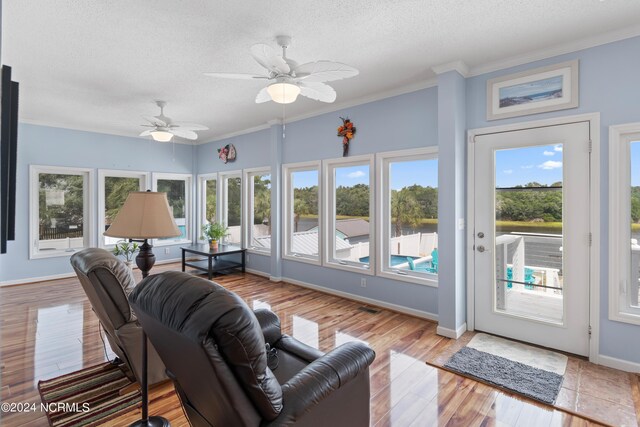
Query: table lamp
{"x":145,"y":215}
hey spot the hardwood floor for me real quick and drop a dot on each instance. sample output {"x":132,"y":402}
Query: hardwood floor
{"x":48,"y":329}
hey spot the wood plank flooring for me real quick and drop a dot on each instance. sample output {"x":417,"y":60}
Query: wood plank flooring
{"x":48,"y":329}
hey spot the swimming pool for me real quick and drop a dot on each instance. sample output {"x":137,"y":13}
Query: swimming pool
{"x":402,"y":259}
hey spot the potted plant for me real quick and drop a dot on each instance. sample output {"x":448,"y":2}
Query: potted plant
{"x":126,"y":250}
{"x":214,"y":232}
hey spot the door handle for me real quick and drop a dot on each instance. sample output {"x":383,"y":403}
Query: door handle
{"x":481,"y":248}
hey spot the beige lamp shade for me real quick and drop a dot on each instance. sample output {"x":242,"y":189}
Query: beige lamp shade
{"x":144,"y":215}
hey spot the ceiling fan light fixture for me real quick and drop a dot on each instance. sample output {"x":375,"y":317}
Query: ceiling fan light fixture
{"x":161,"y":136}
{"x":283,"y":92}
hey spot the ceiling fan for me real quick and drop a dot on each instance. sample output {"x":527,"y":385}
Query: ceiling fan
{"x":286,"y":79}
{"x":164,"y":129}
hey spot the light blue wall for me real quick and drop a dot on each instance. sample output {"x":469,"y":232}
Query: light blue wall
{"x":451,"y":201}
{"x":609,"y":84}
{"x":42,"y":145}
{"x":252,"y":152}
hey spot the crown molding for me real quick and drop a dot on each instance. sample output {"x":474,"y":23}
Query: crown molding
{"x":425,"y":84}
{"x":459,"y":66}
{"x":560,"y":49}
{"x":83,"y":129}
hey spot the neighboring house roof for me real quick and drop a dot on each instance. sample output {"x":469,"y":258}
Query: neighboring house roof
{"x":304,"y":242}
{"x":350,"y":227}
{"x":353,"y":227}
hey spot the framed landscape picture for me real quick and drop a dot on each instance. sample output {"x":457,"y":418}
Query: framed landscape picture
{"x":533,"y":91}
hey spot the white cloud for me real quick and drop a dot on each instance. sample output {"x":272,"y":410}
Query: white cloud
{"x":557,"y":148}
{"x":548,"y":153}
{"x":508,"y":171}
{"x":356,"y":174}
{"x":550,"y":164}
{"x":526,"y":167}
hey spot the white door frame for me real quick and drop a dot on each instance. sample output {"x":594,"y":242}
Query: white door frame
{"x":594,"y":221}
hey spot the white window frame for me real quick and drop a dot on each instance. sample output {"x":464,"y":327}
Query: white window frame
{"x":383,"y":207}
{"x":104,"y":173}
{"x":34,"y":208}
{"x":288,"y":217}
{"x":328,"y":203}
{"x":223,"y":201}
{"x":620,"y":308}
{"x":248,"y":190}
{"x":202,"y":205}
{"x":187,"y":178}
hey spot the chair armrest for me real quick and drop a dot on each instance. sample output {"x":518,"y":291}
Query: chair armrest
{"x":299,"y":349}
{"x":270,"y":325}
{"x":321,"y":378}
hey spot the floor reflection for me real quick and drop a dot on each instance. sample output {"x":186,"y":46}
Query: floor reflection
{"x":58,"y":339}
{"x":306,"y":331}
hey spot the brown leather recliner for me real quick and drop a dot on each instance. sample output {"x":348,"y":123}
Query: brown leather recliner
{"x":214,"y":348}
{"x":107,"y":281}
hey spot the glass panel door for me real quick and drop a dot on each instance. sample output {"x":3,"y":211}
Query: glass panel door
{"x":528,"y":232}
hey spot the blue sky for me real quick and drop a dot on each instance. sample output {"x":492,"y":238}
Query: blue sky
{"x":305,"y":179}
{"x":519,"y":166}
{"x":635,"y":163}
{"x":421,"y":172}
{"x":513,"y":167}
{"x":352,"y":175}
{"x":403,"y":174}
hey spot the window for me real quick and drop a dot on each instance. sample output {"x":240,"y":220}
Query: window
{"x":207,"y":202}
{"x":408,"y":208}
{"x":259,"y":209}
{"x":113,"y":189}
{"x":349,"y":238}
{"x":624,"y":215}
{"x":231,"y":205}
{"x":178,"y":189}
{"x":60,"y":210}
{"x":301,"y":212}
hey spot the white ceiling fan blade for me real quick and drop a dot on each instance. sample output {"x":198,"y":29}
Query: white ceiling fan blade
{"x":263,"y":96}
{"x":317,"y":91}
{"x":324,"y":71}
{"x":187,"y":126}
{"x":155,"y":121}
{"x":265,"y":56}
{"x":183,"y":133}
{"x":237,"y":76}
{"x":146,"y":133}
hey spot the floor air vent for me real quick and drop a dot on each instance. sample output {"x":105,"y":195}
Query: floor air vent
{"x":369,"y":310}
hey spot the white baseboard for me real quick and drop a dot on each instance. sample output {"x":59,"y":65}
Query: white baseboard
{"x":30,"y":280}
{"x":256,"y":272}
{"x":620,"y":364}
{"x":450,"y":333}
{"x":275,"y":279}
{"x":401,"y":309}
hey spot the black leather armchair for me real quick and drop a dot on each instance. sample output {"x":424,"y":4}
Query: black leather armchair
{"x":107,"y":281}
{"x":215,"y":350}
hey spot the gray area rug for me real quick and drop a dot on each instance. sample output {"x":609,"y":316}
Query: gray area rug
{"x":535,"y":383}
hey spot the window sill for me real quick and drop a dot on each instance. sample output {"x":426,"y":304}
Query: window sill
{"x":352,"y":268}
{"x":306,"y":260}
{"x":258,"y":252}
{"x":157,"y":243}
{"x":423,"y":281}
{"x":625,"y":317}
{"x":54,"y":254}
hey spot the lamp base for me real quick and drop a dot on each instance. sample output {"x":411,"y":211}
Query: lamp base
{"x":145,"y":258}
{"x":152,"y":422}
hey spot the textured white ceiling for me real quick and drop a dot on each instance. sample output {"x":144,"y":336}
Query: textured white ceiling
{"x":97,"y":65}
